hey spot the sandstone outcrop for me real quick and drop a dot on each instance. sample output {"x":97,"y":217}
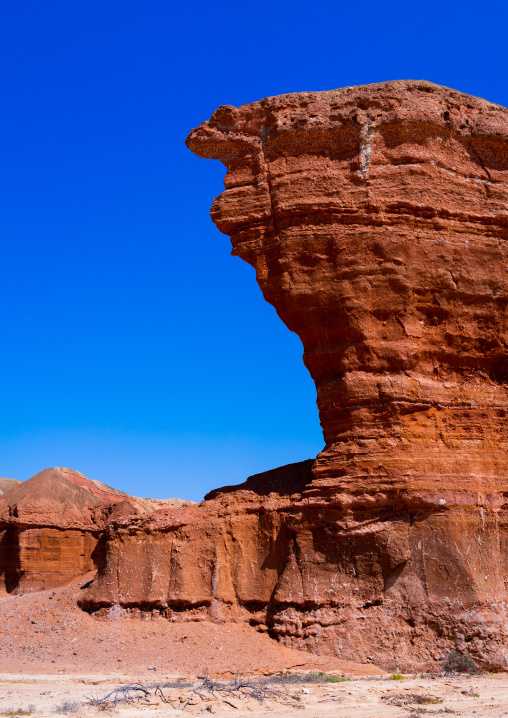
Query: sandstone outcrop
{"x":51,"y":527}
{"x":376,"y":219}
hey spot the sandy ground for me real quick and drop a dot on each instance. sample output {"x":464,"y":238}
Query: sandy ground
{"x":55,"y":659}
{"x":354,"y":698}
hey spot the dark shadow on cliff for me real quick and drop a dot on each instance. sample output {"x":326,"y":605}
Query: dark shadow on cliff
{"x":10,"y":564}
{"x":99,"y":552}
{"x":285,"y":481}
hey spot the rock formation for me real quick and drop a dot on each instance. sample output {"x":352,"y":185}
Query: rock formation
{"x":376,"y":219}
{"x":51,"y":527}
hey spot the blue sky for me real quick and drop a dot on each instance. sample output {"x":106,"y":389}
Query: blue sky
{"x":134,"y":348}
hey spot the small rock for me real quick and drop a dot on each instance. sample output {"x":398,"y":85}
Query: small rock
{"x":234,"y":703}
{"x":150,"y":668}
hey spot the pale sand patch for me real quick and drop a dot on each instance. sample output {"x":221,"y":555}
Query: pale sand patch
{"x":356,"y":698}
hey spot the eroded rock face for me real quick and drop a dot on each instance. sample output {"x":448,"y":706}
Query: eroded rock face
{"x":376,"y":218}
{"x":51,"y":527}
{"x":220,"y":559}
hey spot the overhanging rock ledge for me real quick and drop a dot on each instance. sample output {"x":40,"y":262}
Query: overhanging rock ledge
{"x":376,"y":219}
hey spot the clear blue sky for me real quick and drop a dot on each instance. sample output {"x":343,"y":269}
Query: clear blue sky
{"x":134,"y":348}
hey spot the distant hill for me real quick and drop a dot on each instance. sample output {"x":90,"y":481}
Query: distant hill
{"x":7,"y":485}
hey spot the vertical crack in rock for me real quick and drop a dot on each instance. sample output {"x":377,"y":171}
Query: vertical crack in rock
{"x":266,"y":176}
{"x":366,"y":137}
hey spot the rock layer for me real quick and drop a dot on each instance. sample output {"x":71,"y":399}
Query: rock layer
{"x":376,"y":219}
{"x":51,"y":527}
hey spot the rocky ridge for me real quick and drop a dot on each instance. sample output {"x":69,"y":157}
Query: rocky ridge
{"x":7,"y":484}
{"x":376,"y":219}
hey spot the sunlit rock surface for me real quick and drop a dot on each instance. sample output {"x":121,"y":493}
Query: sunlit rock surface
{"x":376,"y":219}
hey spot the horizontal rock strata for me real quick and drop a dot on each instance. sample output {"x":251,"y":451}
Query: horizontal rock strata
{"x":376,"y":219}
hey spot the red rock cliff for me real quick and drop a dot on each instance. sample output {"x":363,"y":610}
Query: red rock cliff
{"x":52,"y":526}
{"x":376,"y":218}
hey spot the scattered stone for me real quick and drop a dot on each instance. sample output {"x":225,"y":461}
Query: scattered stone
{"x":234,"y":703}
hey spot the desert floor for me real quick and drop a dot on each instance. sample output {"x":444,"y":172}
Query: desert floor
{"x":354,"y":698}
{"x":56,"y":659}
